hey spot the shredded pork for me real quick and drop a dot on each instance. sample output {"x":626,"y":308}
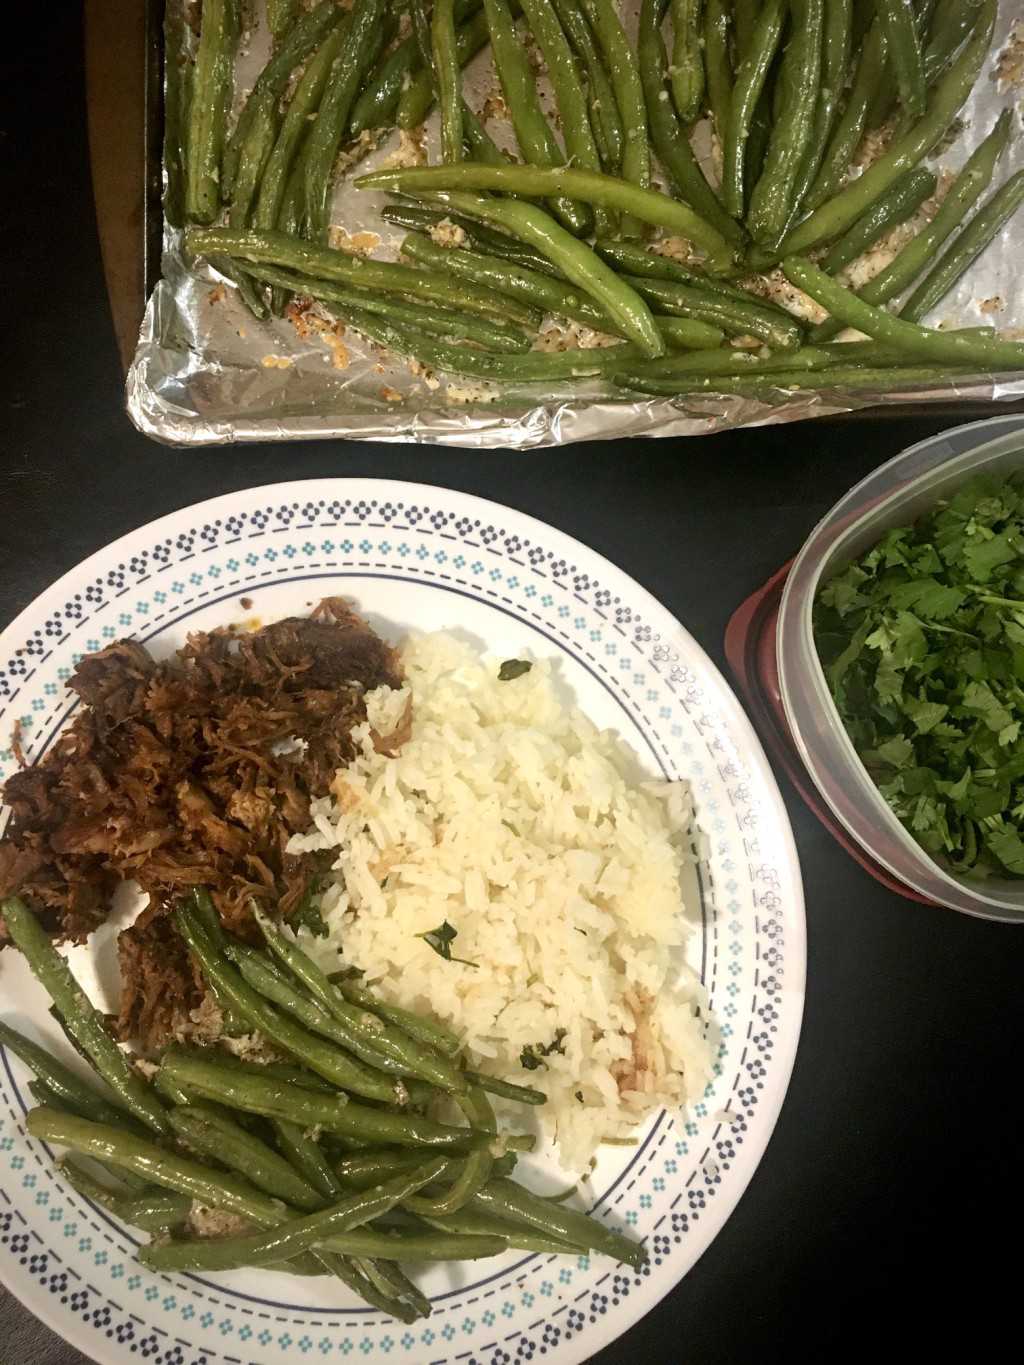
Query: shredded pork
{"x":194,"y":771}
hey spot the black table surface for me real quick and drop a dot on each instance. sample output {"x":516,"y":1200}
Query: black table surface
{"x":885,"y":1213}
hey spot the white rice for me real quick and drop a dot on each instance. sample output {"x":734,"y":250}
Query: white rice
{"x":515,"y":820}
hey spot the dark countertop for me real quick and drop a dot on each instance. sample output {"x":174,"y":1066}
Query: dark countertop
{"x":876,"y":1220}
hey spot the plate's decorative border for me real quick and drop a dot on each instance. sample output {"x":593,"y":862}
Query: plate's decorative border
{"x":417,"y":541}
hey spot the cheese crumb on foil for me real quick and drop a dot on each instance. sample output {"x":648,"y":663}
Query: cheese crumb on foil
{"x":420,"y":371}
{"x":494,"y":107}
{"x":310,"y":321}
{"x":356,"y":243}
{"x":674,"y":248}
{"x":359,"y":149}
{"x":448,"y":234}
{"x":1010,"y":62}
{"x":411,"y":151}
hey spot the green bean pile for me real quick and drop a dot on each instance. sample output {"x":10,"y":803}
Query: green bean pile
{"x":790,"y":90}
{"x":330,"y":1159}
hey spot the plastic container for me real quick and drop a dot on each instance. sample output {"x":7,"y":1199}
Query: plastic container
{"x":894,"y":495}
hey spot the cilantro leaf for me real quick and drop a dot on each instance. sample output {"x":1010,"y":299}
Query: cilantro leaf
{"x":532,"y":1056}
{"x":441,"y":940}
{"x":924,"y":714}
{"x":1008,"y":846}
{"x":982,"y":555}
{"x":513,"y":668}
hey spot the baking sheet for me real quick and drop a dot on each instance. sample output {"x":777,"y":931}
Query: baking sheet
{"x":206,"y":372}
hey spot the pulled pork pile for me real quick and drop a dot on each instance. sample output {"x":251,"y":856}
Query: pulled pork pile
{"x":193,"y":772}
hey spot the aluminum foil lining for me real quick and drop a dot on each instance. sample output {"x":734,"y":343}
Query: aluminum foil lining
{"x":206,"y":372}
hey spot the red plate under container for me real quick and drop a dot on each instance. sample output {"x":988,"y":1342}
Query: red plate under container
{"x":750,"y":650}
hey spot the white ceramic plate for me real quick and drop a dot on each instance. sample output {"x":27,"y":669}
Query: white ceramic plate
{"x":411,"y":555}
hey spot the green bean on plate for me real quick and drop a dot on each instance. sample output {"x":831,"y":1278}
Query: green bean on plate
{"x":254,"y":1139}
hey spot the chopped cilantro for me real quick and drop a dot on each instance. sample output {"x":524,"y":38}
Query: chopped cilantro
{"x":533,"y":1055}
{"x":441,"y":940}
{"x":307,"y":913}
{"x":513,"y":668}
{"x":922,"y":643}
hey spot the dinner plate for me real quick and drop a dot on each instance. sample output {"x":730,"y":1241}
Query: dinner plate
{"x":417,"y":557}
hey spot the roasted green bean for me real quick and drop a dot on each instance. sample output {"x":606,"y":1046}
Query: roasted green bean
{"x":734,"y":318}
{"x":947,"y":99}
{"x":534,"y":367}
{"x":178,"y":71}
{"x":377,"y":104}
{"x":637,"y":260}
{"x":529,"y":286}
{"x":70,"y":1089}
{"x":842,"y":378}
{"x":212,"y":1132}
{"x":773,"y":199}
{"x":580,"y":147}
{"x":503,"y":1199}
{"x":990,"y":219}
{"x":295,"y":127}
{"x":289,"y":1238}
{"x":624,"y":73}
{"x":605,"y":118}
{"x":438,"y":321}
{"x":263,"y":977}
{"x":306,"y":34}
{"x":670,"y":139}
{"x":417,"y":97}
{"x":473,"y":1172}
{"x":521,"y":1094}
{"x":647,"y":205}
{"x":952,"y":23}
{"x":309,"y":1108}
{"x":869,"y":75}
{"x":899,"y":24}
{"x":533,"y":133}
{"x":426,"y":1031}
{"x":208,"y":108}
{"x":943,"y":348}
{"x":82,"y":1021}
{"x":218,"y":1189}
{"x":899,"y":202}
{"x":687,"y":64}
{"x":448,"y":73}
{"x":750,"y":82}
{"x":329,"y":1062}
{"x":471,"y":1222}
{"x":362,"y":38}
{"x":374,"y":1031}
{"x":306,"y":1157}
{"x":835,"y":61}
{"x":153,"y":1212}
{"x":717,"y":24}
{"x":280,"y":15}
{"x":319,"y":262}
{"x":905,"y":267}
{"x":628,"y":314}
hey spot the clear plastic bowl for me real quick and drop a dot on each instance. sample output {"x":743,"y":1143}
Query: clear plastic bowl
{"x":893,"y":495}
